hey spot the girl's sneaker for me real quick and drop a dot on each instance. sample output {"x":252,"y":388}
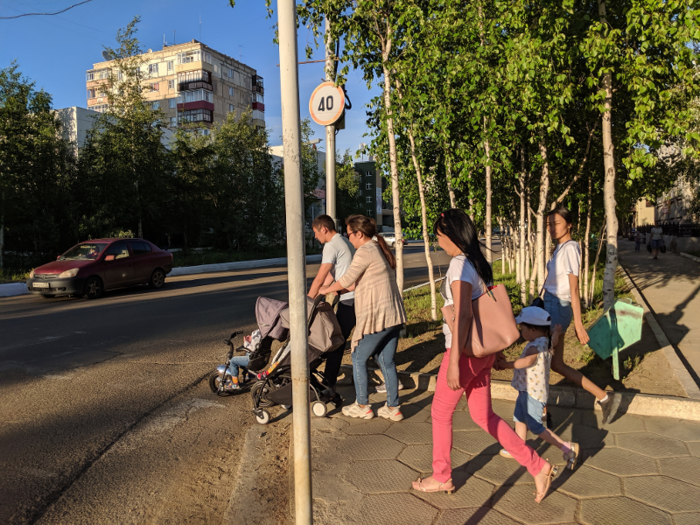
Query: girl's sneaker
{"x":505,"y":454}
{"x":387,"y":412}
{"x":356,"y":410}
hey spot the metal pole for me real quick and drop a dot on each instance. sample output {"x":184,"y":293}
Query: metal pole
{"x":294,"y":206}
{"x":330,"y":134}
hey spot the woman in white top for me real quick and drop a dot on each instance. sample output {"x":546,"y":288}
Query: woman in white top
{"x":657,"y":239}
{"x":562,"y":302}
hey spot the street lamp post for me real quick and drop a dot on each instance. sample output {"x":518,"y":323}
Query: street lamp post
{"x":294,"y":207}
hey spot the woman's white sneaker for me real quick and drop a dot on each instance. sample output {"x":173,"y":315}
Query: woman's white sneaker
{"x":381,"y":389}
{"x":394,"y":414}
{"x":356,"y":410}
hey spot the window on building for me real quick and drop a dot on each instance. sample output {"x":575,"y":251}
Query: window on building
{"x":152,"y":69}
{"x":230,"y":73}
{"x":155,"y":86}
{"x":172,"y":103}
{"x":194,"y":76}
{"x":230,"y":91}
{"x":231,"y":109}
{"x":258,"y":115}
{"x":103,"y":75}
{"x":189,"y":56}
{"x":173,"y":121}
{"x":119,"y":75}
{"x":196,"y":96}
{"x":195,"y":115}
{"x":90,"y":93}
{"x":156,"y":104}
{"x":368,"y":174}
{"x":89,"y":76}
{"x":101,"y":108}
{"x":171,"y":84}
{"x":207,"y":57}
{"x":205,"y":132}
{"x":171,"y":65}
{"x":257,"y":97}
{"x":368,"y":186}
{"x":369,"y":199}
{"x":221,"y":70}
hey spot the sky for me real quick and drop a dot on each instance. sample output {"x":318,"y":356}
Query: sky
{"x":55,"y":51}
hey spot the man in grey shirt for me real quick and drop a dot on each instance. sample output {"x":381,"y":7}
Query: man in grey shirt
{"x":336,"y":259}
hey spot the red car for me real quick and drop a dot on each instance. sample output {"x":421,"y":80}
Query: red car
{"x":90,"y":268}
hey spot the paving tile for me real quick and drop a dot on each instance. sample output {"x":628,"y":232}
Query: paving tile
{"x":691,"y":518}
{"x":371,"y":477}
{"x":518,"y":502}
{"x":328,"y":423}
{"x":475,"y":442}
{"x":684,"y":469}
{"x":390,"y":509}
{"x":411,"y":433}
{"x":371,"y":447}
{"x":621,"y":511}
{"x":694,"y":447}
{"x":590,"y":438}
{"x":420,"y":458}
{"x":674,"y":428}
{"x":482,"y":516}
{"x":498,"y":470}
{"x":374,"y":426}
{"x":664,"y":493}
{"x":330,"y":487}
{"x":623,"y":423}
{"x":587,"y":482}
{"x":652,"y":445}
{"x":621,"y":462}
{"x":503,"y":408}
{"x":471,"y":492}
{"x":415,"y":413}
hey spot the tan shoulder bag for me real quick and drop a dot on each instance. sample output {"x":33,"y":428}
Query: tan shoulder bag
{"x":493,"y":324}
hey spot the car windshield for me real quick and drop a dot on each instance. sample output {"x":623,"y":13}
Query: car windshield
{"x":83,"y":252}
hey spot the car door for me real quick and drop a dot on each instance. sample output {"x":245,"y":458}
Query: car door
{"x":143,"y":261}
{"x":118,"y":265}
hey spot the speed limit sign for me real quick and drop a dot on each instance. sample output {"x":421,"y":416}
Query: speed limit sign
{"x":327,"y":104}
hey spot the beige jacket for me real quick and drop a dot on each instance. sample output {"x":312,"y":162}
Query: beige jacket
{"x":378,"y":303}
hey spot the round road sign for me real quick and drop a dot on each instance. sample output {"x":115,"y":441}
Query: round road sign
{"x":327,"y":104}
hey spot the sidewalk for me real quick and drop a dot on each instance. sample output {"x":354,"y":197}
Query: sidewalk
{"x":639,"y":470}
{"x":670,"y":285}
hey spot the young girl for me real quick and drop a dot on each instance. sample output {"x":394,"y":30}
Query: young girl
{"x":531,"y":379}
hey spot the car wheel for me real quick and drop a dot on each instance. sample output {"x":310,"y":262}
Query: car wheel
{"x":93,"y":288}
{"x":48,"y":296}
{"x":157,"y":279}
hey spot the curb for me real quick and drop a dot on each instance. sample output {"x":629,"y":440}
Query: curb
{"x":240,"y":265}
{"x":691,"y":257}
{"x":12,"y":289}
{"x":570,"y":397}
{"x":684,"y":378}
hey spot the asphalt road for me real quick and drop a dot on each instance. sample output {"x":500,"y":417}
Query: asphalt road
{"x":106,"y":414}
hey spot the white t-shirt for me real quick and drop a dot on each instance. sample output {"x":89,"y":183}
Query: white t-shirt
{"x":460,"y":269}
{"x":535,"y":379}
{"x":339,"y":252}
{"x":565,"y":260}
{"x":656,"y":234}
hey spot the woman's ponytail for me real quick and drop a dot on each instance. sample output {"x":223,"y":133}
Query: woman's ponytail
{"x":386,"y":251}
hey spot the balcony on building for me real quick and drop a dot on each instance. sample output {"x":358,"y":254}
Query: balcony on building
{"x":191,"y":80}
{"x":258,"y":85}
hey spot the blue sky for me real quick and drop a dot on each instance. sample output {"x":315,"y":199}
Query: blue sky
{"x":55,"y":51}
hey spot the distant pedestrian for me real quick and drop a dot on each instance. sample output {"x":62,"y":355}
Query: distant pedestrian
{"x":380,"y":316}
{"x":335,"y":261}
{"x":562,"y":302}
{"x":657,"y":240}
{"x":467,"y":277}
{"x":637,"y":241}
{"x":531,"y":380}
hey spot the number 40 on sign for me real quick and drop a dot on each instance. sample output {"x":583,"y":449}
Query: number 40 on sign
{"x":327,"y":104}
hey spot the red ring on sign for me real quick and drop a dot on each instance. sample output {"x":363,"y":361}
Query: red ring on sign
{"x":335,"y":117}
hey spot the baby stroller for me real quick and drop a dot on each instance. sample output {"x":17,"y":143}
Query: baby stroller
{"x":274,"y":385}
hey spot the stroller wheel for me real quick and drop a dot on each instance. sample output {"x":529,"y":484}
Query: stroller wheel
{"x":259,"y":394}
{"x":263,"y":417}
{"x":319,"y":409}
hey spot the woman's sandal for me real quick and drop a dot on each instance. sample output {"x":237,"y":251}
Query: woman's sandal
{"x":548,"y":483}
{"x":572,"y":456}
{"x":439,"y":488}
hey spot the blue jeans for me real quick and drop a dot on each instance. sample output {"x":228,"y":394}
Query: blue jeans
{"x":529,"y":411}
{"x":559,"y":310}
{"x":237,"y":361}
{"x":383,"y":346}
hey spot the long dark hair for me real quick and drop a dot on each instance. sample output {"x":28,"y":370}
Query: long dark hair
{"x":368,"y":228}
{"x":460,"y":229}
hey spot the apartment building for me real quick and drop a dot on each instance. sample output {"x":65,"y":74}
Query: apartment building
{"x":191,"y":83}
{"x":372,"y":186}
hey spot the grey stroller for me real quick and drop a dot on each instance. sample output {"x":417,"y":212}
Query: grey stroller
{"x":274,"y":385}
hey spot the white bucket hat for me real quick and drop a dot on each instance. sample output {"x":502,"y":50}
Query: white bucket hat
{"x":534,"y":315}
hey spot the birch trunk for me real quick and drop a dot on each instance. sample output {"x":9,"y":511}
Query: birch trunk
{"x":522,"y":252}
{"x":544,"y":191}
{"x":591,"y":292}
{"x":487,"y":214}
{"x":586,"y":243}
{"x":396,"y":203}
{"x":424,"y":219}
{"x":608,"y":186}
{"x":450,"y":189}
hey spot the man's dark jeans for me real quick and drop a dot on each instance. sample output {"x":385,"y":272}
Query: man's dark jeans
{"x":346,"y":320}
